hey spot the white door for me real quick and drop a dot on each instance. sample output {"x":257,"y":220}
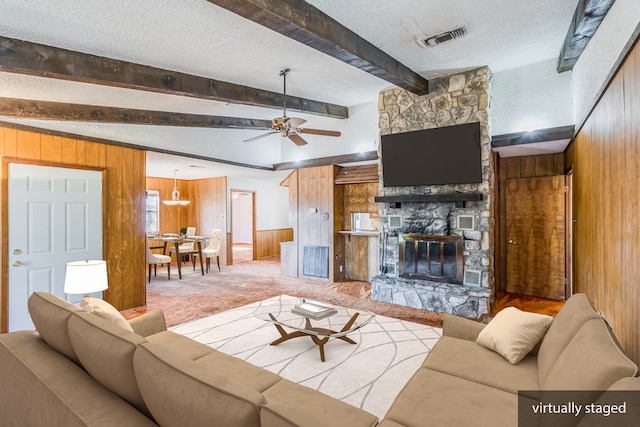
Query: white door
{"x":55,"y":216}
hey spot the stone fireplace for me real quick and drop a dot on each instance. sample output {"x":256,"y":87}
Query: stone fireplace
{"x":429,"y":255}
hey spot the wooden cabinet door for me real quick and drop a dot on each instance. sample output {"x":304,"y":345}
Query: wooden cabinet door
{"x":535,"y":237}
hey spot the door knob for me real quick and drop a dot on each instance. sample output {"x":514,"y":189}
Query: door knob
{"x":17,"y":263}
{"x":17,"y":251}
{"x":511,"y":242}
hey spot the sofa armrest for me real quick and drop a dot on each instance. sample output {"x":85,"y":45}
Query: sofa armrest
{"x":149,"y":323}
{"x":461,"y":327}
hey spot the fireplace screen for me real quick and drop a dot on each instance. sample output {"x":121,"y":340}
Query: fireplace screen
{"x":431,"y":257}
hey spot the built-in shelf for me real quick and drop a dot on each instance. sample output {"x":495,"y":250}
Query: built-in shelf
{"x":367,"y":233}
{"x":420,"y":198}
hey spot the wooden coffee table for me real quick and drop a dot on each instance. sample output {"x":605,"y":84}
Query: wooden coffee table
{"x":339,"y":325}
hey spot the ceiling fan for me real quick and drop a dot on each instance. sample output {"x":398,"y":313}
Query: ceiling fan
{"x":289,"y":127}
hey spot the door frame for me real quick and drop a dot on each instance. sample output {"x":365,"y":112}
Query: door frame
{"x":253,"y":224}
{"x":568,"y":272}
{"x":4,"y":224}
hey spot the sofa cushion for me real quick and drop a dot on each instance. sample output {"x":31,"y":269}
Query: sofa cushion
{"x":512,"y":333}
{"x":188,"y":348}
{"x":432,"y":398}
{"x":180,"y":392}
{"x":468,"y":360}
{"x":575,"y":312}
{"x":297,"y":405}
{"x":106,"y":352}
{"x":591,"y":361}
{"x":45,"y":388}
{"x":50,"y":315}
{"x":105,"y":310}
{"x":257,"y":378}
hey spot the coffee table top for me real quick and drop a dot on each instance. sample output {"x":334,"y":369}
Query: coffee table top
{"x":279,"y":313}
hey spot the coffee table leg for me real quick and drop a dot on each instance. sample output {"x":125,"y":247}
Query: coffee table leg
{"x":284,"y":335}
{"x":320,"y":342}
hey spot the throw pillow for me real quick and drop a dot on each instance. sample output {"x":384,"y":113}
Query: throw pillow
{"x":513,"y":333}
{"x":105,"y":310}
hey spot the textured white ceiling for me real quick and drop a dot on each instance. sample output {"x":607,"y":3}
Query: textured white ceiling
{"x":197,"y":37}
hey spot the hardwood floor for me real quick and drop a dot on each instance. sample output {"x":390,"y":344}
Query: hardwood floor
{"x":526,"y":303}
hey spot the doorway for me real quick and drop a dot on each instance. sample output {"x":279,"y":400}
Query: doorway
{"x":54,"y":217}
{"x":243,"y":226}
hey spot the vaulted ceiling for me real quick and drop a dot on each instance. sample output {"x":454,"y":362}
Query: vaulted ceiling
{"x":196,"y":67}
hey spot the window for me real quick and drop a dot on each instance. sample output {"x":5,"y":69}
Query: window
{"x":152,"y":211}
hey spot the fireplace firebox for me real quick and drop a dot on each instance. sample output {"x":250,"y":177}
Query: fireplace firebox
{"x":431,"y":257}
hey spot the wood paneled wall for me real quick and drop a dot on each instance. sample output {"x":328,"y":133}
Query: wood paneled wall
{"x":605,"y":160}
{"x":316,"y":191}
{"x":518,"y":167}
{"x":268,"y":241}
{"x":206,"y":211}
{"x":123,"y":242}
{"x":172,"y":218}
{"x":360,"y":198}
{"x":358,"y":250}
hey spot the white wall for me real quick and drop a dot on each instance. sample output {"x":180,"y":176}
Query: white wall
{"x":531,"y":97}
{"x":272,"y":202}
{"x":601,"y":54}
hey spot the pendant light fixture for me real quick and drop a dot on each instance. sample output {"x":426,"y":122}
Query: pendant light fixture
{"x":175,"y":194}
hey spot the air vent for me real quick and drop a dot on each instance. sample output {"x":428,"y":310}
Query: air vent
{"x":445,"y":37}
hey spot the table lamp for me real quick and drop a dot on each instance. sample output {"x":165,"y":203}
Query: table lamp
{"x":85,"y":277}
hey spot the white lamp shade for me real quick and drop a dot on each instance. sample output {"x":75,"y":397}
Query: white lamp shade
{"x":85,"y":277}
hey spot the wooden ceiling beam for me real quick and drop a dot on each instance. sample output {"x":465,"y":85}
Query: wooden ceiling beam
{"x":586,"y":20}
{"x":539,"y":135}
{"x":325,"y":161}
{"x":306,"y":24}
{"x":21,"y":57}
{"x":47,"y":110}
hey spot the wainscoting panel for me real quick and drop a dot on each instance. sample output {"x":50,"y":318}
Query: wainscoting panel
{"x":268,"y":241}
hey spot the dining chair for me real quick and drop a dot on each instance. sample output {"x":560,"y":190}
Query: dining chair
{"x":185,"y":249}
{"x":212,"y":249}
{"x":155,"y":259}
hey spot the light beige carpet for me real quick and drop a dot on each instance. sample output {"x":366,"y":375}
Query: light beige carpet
{"x":369,"y":374}
{"x":197,"y":296}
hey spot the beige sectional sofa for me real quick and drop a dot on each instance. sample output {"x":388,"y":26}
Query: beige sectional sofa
{"x":461,"y":383}
{"x":79,"y":369}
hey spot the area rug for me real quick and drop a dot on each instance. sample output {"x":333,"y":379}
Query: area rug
{"x":368,"y":374}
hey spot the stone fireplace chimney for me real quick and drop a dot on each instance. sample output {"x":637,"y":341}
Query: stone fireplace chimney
{"x":423,"y":262}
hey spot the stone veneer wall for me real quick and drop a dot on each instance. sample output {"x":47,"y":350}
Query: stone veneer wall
{"x":456,"y":99}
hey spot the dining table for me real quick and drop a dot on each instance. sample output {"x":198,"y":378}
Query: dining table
{"x":177,"y":240}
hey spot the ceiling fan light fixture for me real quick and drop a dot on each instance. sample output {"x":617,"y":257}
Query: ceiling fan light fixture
{"x":289,"y":127}
{"x":175,"y":194}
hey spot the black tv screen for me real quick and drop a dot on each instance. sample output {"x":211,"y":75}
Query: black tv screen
{"x":447,"y":155}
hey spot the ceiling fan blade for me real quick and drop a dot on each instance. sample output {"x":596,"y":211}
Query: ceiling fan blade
{"x":320,"y":132}
{"x":297,"y":139}
{"x":260,"y":136}
{"x":294,"y":122}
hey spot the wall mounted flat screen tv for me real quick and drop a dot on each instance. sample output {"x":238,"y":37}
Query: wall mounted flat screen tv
{"x":447,"y":155}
